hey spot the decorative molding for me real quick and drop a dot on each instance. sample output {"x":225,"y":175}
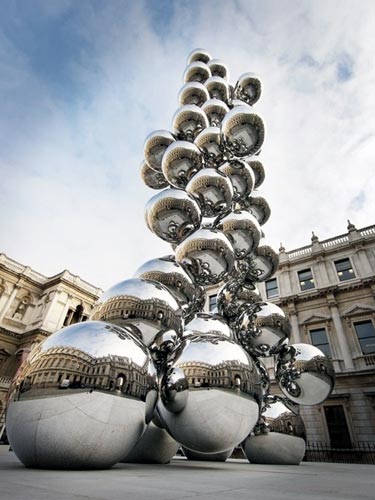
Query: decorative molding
{"x":358,"y":309}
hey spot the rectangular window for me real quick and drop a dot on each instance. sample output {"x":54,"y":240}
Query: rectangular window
{"x":337,"y":427}
{"x":344,"y":269}
{"x":306,"y":280}
{"x":320,"y":340}
{"x":272,"y":289}
{"x":212,"y":302}
{"x":366,"y":336}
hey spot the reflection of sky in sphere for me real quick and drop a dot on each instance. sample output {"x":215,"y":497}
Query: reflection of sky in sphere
{"x":97,"y":339}
{"x":213,"y":353}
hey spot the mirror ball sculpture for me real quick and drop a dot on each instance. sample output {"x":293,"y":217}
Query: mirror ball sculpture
{"x":152,"y":371}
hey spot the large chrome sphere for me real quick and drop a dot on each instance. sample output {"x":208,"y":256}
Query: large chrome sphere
{"x":248,"y":88}
{"x":165,"y":270}
{"x":215,"y":111}
{"x":256,"y":205}
{"x":218,"y":88}
{"x":203,"y":324}
{"x":243,"y":131}
{"x":152,"y":178}
{"x":156,"y":446}
{"x":242,"y":178}
{"x":199,"y":55}
{"x":209,"y":142}
{"x":196,"y":72}
{"x":242,"y":230}
{"x":258,"y":169}
{"x":145,"y":306}
{"x":181,"y":161}
{"x":211,"y":397}
{"x":82,"y":399}
{"x":207,"y":457}
{"x":172,"y":215}
{"x":188,"y":121}
{"x":207,"y":255}
{"x":155,"y":146}
{"x":193,"y":93}
{"x":233,"y":298}
{"x":218,"y":68}
{"x":304,"y":374}
{"x":266,"y":262}
{"x":279,"y":436}
{"x":262,"y":329}
{"x":212,"y":190}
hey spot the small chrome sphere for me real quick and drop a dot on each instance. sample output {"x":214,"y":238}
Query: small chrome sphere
{"x":233,"y":297}
{"x":155,"y":146}
{"x":207,"y":255}
{"x":212,"y":190}
{"x":152,"y":178}
{"x":173,"y":215}
{"x":209,"y":142}
{"x":207,"y":457}
{"x":243,"y":131}
{"x":266,"y":262}
{"x":193,"y":93}
{"x":218,"y":68}
{"x":248,"y":88}
{"x":262,"y":329}
{"x":181,"y":161}
{"x":201,"y":55}
{"x":242,"y":230}
{"x":304,"y":374}
{"x":196,"y":71}
{"x":215,"y":111}
{"x":258,"y":169}
{"x":220,"y":392}
{"x":82,"y":399}
{"x":241,"y":176}
{"x":145,"y":306}
{"x":204,"y":324}
{"x":218,"y":88}
{"x":188,"y":121}
{"x":257,"y":205}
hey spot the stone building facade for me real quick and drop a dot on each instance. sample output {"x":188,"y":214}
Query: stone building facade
{"x":32,"y":307}
{"x":328,"y":290}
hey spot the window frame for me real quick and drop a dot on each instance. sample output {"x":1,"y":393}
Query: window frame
{"x":338,"y":261}
{"x":310,"y":279}
{"x":214,"y":296}
{"x":363,"y":320}
{"x":321,"y":328}
{"x":275,"y":288}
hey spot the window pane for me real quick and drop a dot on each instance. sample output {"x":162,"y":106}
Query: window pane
{"x":306,"y":279}
{"x":304,"y":275}
{"x":320,"y":340}
{"x":344,"y":269}
{"x":366,"y":336}
{"x":272,"y":288}
{"x":212,"y":302}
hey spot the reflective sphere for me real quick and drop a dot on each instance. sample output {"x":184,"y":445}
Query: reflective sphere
{"x":222,"y":394}
{"x":256,"y":205}
{"x":209,"y":142}
{"x":199,"y":55}
{"x":181,"y":161}
{"x":196,"y":71}
{"x":203,"y":324}
{"x":218,"y":88}
{"x":233,"y":298}
{"x":215,"y":111}
{"x":242,"y":230}
{"x":145,"y":306}
{"x":155,"y":146}
{"x":243,"y":131}
{"x":207,"y":457}
{"x":152,"y":179}
{"x":165,"y":270}
{"x":263,"y":328}
{"x":266,"y":262}
{"x":258,"y":169}
{"x":218,"y":68}
{"x":241,"y":176}
{"x":188,"y":121}
{"x":172,"y":215}
{"x":304,"y":374}
{"x":156,"y":446}
{"x":212,"y":190}
{"x":248,"y":88}
{"x":82,"y":399}
{"x":193,"y":93}
{"x":207,"y":255}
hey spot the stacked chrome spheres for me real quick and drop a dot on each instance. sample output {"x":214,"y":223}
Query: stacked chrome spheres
{"x":152,"y":371}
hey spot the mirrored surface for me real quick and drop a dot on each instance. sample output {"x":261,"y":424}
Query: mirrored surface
{"x":188,"y":121}
{"x":242,"y":230}
{"x":155,"y":146}
{"x":181,"y":161}
{"x":193,"y":93}
{"x":243,"y":131}
{"x":212,"y":190}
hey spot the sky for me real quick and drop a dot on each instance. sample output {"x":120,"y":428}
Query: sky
{"x":83,"y":83}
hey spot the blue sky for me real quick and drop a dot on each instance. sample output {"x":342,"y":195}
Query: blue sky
{"x":83,"y":83}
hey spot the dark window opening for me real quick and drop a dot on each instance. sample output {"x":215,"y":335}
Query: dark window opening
{"x":344,"y":269}
{"x":320,"y":340}
{"x":337,"y":427}
{"x":366,"y":336}
{"x":272,"y":290}
{"x":306,"y":280}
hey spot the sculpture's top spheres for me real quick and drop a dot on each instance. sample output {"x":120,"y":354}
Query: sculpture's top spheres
{"x":209,"y":142}
{"x":188,"y":121}
{"x":243,"y":131}
{"x":181,"y":161}
{"x":218,"y":88}
{"x":152,"y":178}
{"x":193,"y":93}
{"x":196,"y":72}
{"x":248,"y":88}
{"x":155,"y":145}
{"x":215,"y":111}
{"x":145,"y":306}
{"x":199,"y":55}
{"x":218,"y":68}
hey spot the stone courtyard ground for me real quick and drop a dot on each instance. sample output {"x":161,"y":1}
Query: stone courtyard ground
{"x":183,"y":479}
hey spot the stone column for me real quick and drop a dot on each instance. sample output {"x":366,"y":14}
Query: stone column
{"x":343,"y":342}
{"x":64,"y":313}
{"x":8,"y":303}
{"x":292,"y":313}
{"x":47,"y":323}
